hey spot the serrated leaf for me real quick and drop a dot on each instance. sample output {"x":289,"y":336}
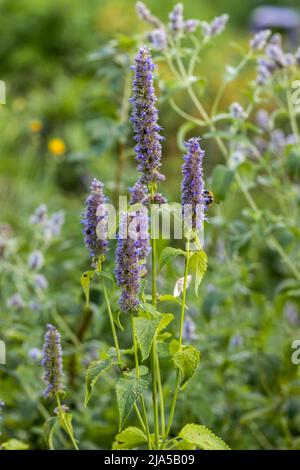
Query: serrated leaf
{"x":143,"y":370}
{"x":14,"y":444}
{"x":186,"y":359}
{"x":128,"y":392}
{"x":145,"y":331}
{"x":95,"y":369}
{"x":130,"y":438}
{"x":202,"y":437}
{"x":49,"y":429}
{"x":198,"y":264}
{"x":169,"y":254}
{"x":85,"y":281}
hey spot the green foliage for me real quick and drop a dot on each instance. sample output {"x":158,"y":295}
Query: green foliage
{"x":202,"y":437}
{"x":129,"y":438}
{"x":128,"y":390}
{"x":198,"y":265}
{"x":95,"y":370}
{"x":186,"y":359}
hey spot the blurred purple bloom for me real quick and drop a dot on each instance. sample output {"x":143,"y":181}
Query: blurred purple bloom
{"x":52,"y":362}
{"x":40,"y":281}
{"x":158,"y":39}
{"x":40,"y":214}
{"x":176,"y":22}
{"x":192,"y":184}
{"x":237,"y":111}
{"x":35,"y":260}
{"x":191,"y":25}
{"x":216,"y":27}
{"x":145,"y":119}
{"x":35,"y":354}
{"x":189,"y":330}
{"x":16,"y":302}
{"x":145,"y":14}
{"x":260,"y":39}
{"x":93,"y":218}
{"x":262,"y":119}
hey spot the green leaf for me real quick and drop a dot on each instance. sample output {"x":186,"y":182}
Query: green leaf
{"x":198,"y":264}
{"x":14,"y":444}
{"x":130,"y":438}
{"x":85,"y":281}
{"x":166,"y":319}
{"x":49,"y":429}
{"x":143,"y":370}
{"x":202,"y":437}
{"x":128,"y":391}
{"x":65,"y":420}
{"x":145,"y":331}
{"x":186,"y":359}
{"x":169,"y":298}
{"x":169,"y":254}
{"x":95,"y":369}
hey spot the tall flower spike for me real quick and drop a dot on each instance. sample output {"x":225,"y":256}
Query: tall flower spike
{"x":192,"y":184}
{"x":132,"y":251}
{"x":145,"y":119}
{"x":93,"y":215}
{"x":52,"y":362}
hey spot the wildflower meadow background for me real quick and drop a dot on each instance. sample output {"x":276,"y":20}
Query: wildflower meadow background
{"x":133,"y":342}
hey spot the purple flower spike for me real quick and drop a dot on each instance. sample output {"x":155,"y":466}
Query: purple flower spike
{"x":145,"y":119}
{"x":192,"y":184}
{"x":132,"y":251}
{"x":52,"y":362}
{"x":93,"y":215}
{"x":176,"y":22}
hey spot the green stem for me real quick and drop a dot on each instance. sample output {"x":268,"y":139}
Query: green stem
{"x":137,"y":369}
{"x":65,"y":423}
{"x":154,"y":352}
{"x":116,"y":343}
{"x":186,"y":271}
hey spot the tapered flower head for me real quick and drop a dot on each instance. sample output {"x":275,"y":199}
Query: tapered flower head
{"x":94,"y":215}
{"x":132,"y":251}
{"x":145,"y":119}
{"x":52,"y":362}
{"x":192,"y":188}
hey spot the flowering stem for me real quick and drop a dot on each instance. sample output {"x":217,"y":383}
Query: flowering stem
{"x":137,"y":369}
{"x":112,"y":324}
{"x":116,"y":343}
{"x":177,"y":386}
{"x":65,"y":423}
{"x":154,"y":352}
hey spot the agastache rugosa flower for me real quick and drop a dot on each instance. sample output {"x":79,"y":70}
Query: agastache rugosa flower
{"x":95,"y":214}
{"x":192,"y":184}
{"x":145,"y":119}
{"x":139,"y":194}
{"x":132,"y":251}
{"x":52,"y":362}
{"x":216,"y":27}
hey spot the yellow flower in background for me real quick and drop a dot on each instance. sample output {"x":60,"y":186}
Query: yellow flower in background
{"x":35,"y":125}
{"x":57,"y":146}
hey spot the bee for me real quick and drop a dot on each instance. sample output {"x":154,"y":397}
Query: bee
{"x":208,"y":197}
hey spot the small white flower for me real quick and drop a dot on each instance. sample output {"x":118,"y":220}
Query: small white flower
{"x":178,"y":289}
